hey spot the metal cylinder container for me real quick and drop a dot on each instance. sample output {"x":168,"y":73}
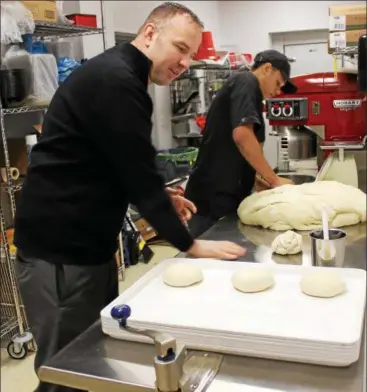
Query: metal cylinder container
{"x":337,"y":239}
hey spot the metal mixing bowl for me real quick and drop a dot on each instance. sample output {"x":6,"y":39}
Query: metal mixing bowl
{"x":298,"y":179}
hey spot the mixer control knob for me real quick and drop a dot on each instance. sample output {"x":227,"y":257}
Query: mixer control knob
{"x":276,"y":110}
{"x":287,"y":111}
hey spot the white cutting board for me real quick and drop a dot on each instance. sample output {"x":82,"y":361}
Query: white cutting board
{"x":228,"y":386}
{"x":280,"y":314}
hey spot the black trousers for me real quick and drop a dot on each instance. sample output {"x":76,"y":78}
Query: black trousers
{"x":199,"y":224}
{"x":62,"y":301}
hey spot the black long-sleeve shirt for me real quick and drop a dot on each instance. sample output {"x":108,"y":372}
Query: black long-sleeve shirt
{"x":221,"y":177}
{"x":95,"y":156}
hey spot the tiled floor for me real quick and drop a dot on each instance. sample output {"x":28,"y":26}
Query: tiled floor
{"x":19,"y":376}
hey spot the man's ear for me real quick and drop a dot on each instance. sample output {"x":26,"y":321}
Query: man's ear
{"x":148,"y":32}
{"x":267,"y":67}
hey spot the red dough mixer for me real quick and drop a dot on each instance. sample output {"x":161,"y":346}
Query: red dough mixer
{"x":328,"y":112}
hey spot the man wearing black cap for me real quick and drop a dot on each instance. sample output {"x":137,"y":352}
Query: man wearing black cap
{"x":231,"y":160}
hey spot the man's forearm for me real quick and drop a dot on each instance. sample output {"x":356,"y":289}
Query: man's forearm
{"x":251,"y":150}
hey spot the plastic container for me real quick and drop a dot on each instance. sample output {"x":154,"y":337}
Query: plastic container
{"x":13,"y":87}
{"x":176,"y":162}
{"x":83,"y":19}
{"x":179,"y":155}
{"x":61,"y":49}
{"x":167,"y":169}
{"x":33,"y":47}
{"x":31,"y":141}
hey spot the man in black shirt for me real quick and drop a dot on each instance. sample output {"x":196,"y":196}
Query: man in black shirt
{"x":94,"y":157}
{"x":230,"y":155}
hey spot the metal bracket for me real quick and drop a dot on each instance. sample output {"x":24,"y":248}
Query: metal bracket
{"x":342,"y":146}
{"x":170,"y":356}
{"x":176,"y":371}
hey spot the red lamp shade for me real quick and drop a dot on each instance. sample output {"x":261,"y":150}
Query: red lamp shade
{"x":206,"y":50}
{"x":200,"y":122}
{"x":248,"y":57}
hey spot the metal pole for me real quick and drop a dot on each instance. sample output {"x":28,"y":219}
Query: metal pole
{"x":103,"y":26}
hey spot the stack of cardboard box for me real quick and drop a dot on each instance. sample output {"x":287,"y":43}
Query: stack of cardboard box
{"x":42,"y":11}
{"x":346,"y":24}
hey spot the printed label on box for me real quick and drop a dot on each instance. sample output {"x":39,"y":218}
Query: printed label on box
{"x":337,"y":22}
{"x":338,"y":40}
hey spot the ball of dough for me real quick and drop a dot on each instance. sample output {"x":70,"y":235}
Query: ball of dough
{"x":322,"y":283}
{"x":252,"y":280}
{"x":182,"y":275}
{"x":288,"y":243}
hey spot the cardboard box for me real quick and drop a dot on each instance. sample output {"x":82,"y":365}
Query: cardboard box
{"x":17,"y":155}
{"x":347,"y":9}
{"x":344,"y":39}
{"x":347,"y":22}
{"x":38,"y":128}
{"x":145,"y":229}
{"x":42,"y":11}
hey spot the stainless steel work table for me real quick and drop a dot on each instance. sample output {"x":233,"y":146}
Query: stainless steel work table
{"x":98,"y":363}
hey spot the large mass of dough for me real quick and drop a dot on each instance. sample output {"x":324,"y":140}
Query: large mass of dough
{"x":182,"y":275}
{"x":322,"y":283}
{"x":288,"y":243}
{"x":299,"y":206}
{"x":252,"y":280}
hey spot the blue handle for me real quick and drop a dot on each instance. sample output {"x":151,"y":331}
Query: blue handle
{"x":121,"y":313}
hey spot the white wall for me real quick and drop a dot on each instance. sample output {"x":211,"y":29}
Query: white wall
{"x":90,"y":46}
{"x":247,"y":24}
{"x":94,"y":45}
{"x":128,"y":16}
{"x":208,"y":12}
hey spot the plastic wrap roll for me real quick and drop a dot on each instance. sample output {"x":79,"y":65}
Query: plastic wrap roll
{"x":14,"y":174}
{"x":45,"y":78}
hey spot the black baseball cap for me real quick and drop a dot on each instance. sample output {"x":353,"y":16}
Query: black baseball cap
{"x":279,"y":61}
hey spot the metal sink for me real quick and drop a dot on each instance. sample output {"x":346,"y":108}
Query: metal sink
{"x":297,"y":178}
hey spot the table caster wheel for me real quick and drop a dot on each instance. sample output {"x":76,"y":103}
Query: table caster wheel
{"x":17,"y":350}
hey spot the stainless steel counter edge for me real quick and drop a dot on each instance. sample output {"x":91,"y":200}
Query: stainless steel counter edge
{"x":87,"y":382}
{"x":98,"y":363}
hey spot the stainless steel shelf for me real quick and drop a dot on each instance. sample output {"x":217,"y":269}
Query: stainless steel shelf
{"x":188,"y":136}
{"x":15,"y":187}
{"x":46,"y":30}
{"x":182,"y":117}
{"x":24,"y":109}
{"x":350,"y":51}
{"x":197,"y":64}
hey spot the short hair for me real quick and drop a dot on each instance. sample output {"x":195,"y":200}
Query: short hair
{"x":168,"y":10}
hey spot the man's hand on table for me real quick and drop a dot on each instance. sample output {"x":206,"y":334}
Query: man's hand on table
{"x":202,"y":248}
{"x":282,"y":181}
{"x":184,"y":207}
{"x":261,"y":184}
{"x":216,"y":250}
